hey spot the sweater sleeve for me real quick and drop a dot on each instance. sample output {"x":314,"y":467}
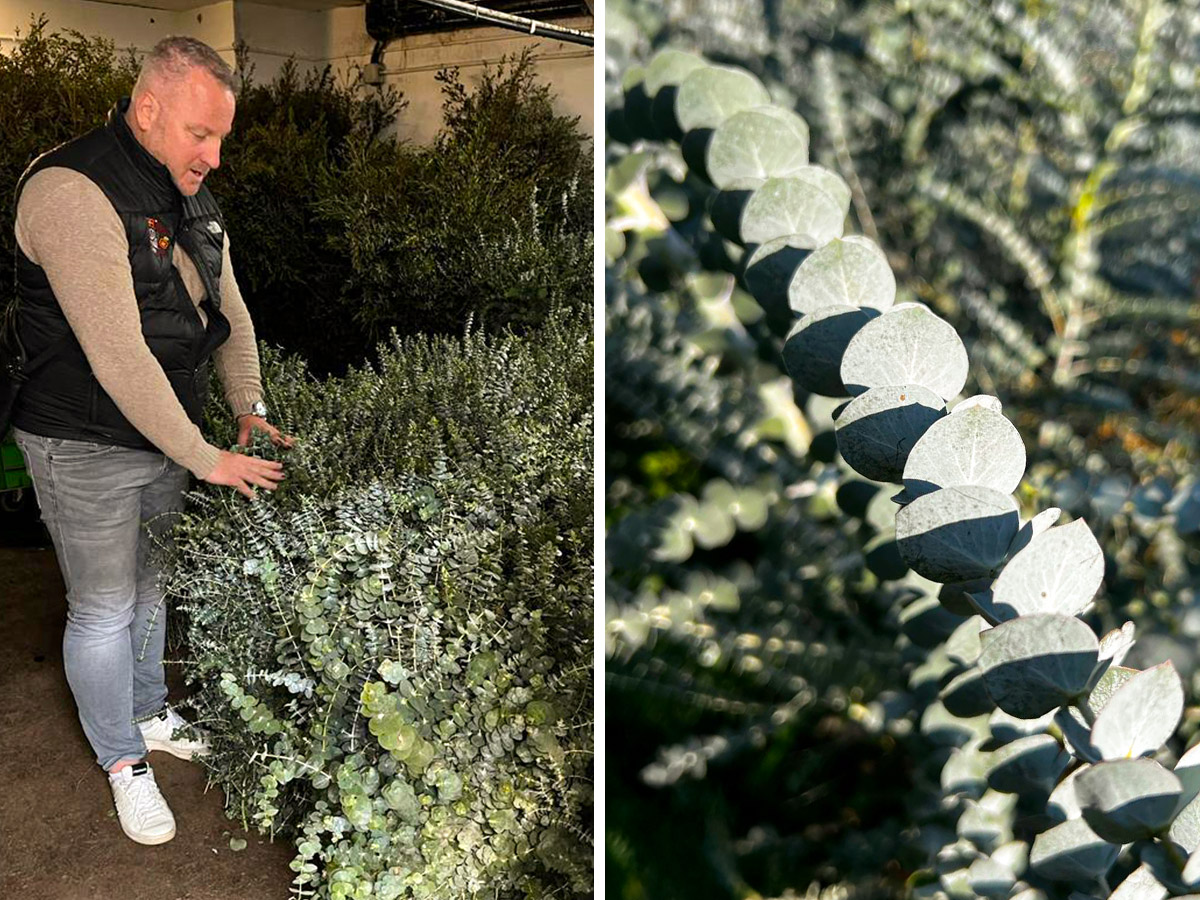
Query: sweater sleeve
{"x":237,"y":359}
{"x":67,"y":226}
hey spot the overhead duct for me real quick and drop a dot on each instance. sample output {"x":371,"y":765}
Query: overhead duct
{"x":388,"y":20}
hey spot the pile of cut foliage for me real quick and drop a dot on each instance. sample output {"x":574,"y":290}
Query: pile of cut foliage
{"x":393,"y":651}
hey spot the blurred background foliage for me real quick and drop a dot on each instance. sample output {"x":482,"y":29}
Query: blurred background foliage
{"x":338,"y":231}
{"x":1033,"y":172}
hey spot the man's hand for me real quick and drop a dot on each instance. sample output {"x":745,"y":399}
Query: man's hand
{"x":247,"y":424}
{"x":244,"y":472}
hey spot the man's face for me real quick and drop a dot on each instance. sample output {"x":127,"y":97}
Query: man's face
{"x":183,"y":124}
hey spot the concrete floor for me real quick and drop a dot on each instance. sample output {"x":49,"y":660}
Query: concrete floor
{"x":59,"y":837}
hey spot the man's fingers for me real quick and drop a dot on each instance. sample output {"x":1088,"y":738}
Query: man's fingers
{"x":264,"y":481}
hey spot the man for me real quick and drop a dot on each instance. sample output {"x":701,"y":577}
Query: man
{"x":125,"y":290}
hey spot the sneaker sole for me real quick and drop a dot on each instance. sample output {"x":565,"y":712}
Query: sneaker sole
{"x":188,"y":755}
{"x":149,"y":839}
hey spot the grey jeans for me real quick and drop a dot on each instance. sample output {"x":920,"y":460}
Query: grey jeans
{"x":106,"y":509}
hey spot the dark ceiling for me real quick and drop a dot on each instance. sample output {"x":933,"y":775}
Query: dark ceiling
{"x":391,"y":19}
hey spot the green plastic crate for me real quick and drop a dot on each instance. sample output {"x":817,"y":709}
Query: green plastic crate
{"x":12,"y":467}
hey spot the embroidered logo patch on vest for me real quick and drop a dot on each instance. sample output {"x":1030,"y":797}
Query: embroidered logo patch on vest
{"x":160,"y":241}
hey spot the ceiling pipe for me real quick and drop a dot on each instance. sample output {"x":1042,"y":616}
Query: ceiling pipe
{"x":516,"y":23}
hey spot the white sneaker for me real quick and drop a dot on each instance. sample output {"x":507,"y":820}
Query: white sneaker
{"x":141,"y":809}
{"x":159,"y":735}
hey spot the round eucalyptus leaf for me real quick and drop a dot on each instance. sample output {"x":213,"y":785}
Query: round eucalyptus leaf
{"x":958,"y":600}
{"x":1117,"y":643}
{"x":1191,"y":871}
{"x":830,"y":182}
{"x":1128,"y":799}
{"x":751,"y":508}
{"x":1113,"y":679}
{"x":813,"y":350}
{"x":1034,"y":664}
{"x":979,"y":401}
{"x":675,"y":545}
{"x":1005,"y":728}
{"x":954,"y":884}
{"x":1141,"y":714}
{"x":726,"y":210}
{"x":1072,"y":852}
{"x":670,"y":66}
{"x":792,"y":205}
{"x":1077,"y":735}
{"x":1165,"y":868}
{"x":964,"y":645}
{"x":710,"y":95}
{"x":906,"y":345}
{"x":1029,"y":765}
{"x":1060,"y":572}
{"x":769,"y":270}
{"x":988,"y":878}
{"x":966,"y":695}
{"x":754,"y":145}
{"x":1035,"y":526}
{"x":927,"y":624}
{"x":719,"y":492}
{"x":977,"y":446}
{"x":636,"y":103}
{"x":614,"y":244}
{"x":1188,"y":772}
{"x":881,"y":512}
{"x":965,"y":771}
{"x":876,"y":431}
{"x":1140,"y":884}
{"x":665,"y":71}
{"x":1185,"y":829}
{"x":958,"y":533}
{"x":1014,"y":856}
{"x":946,"y":730}
{"x":713,"y":526}
{"x":987,"y":823}
{"x":1063,"y":803}
{"x":881,"y":554}
{"x":850,"y":271}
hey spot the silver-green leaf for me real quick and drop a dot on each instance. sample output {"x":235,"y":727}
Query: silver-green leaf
{"x":754,"y":145}
{"x":1129,"y":799}
{"x":907,"y":345}
{"x":1071,"y":852}
{"x":1060,"y":572}
{"x":813,"y":350}
{"x":957,"y":533}
{"x":972,"y":446}
{"x":793,"y":205}
{"x":876,"y":430}
{"x":851,"y":271}
{"x":1034,"y":664}
{"x":709,"y":96}
{"x":1141,"y":715}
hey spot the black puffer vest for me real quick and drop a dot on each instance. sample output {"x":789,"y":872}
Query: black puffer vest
{"x":62,"y":397}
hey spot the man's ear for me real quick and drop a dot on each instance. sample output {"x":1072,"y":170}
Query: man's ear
{"x":146,"y":108}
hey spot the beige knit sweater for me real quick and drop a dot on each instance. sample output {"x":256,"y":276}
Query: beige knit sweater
{"x":67,"y":226}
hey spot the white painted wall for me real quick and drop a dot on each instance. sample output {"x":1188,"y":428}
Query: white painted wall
{"x":335,"y":36}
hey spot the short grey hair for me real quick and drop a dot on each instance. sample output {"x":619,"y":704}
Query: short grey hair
{"x":173,"y":57}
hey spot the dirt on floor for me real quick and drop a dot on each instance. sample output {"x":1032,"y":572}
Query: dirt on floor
{"x":59,"y":836}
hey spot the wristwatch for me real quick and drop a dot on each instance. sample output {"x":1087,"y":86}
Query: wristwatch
{"x":258,"y":408}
